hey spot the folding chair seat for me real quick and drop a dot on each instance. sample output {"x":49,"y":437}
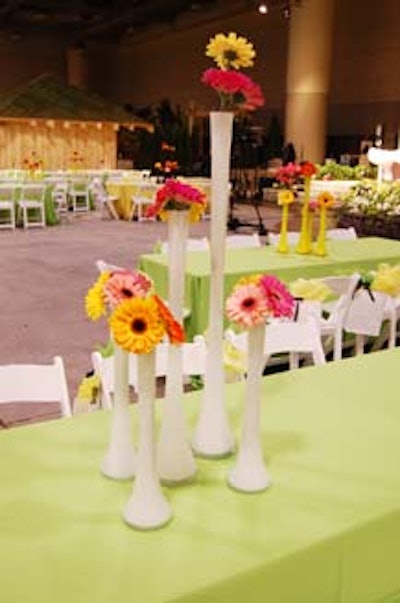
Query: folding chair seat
{"x":35,"y":383}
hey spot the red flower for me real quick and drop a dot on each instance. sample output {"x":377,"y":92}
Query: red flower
{"x":308,"y":169}
{"x":241,"y":91}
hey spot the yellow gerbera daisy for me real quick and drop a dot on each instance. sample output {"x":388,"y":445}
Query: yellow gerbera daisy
{"x":251,"y":279}
{"x":95,"y":300}
{"x":285,"y":197}
{"x":136,"y":325}
{"x":231,"y":51}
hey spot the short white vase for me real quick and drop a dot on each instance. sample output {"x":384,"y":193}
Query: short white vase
{"x":213,"y":436}
{"x":175,"y":460}
{"x":147,"y":508}
{"x":120,"y":459}
{"x":249,"y":473}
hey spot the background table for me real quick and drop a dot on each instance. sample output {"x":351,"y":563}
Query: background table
{"x":345,"y":257}
{"x":327,"y":531}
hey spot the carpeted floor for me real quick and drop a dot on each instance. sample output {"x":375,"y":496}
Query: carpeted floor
{"x":45,"y":274}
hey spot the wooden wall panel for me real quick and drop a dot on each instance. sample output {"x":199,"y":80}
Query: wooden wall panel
{"x":56,"y":145}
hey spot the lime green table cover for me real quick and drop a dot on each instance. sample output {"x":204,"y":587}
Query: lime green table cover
{"x":327,"y":531}
{"x":344,"y":257}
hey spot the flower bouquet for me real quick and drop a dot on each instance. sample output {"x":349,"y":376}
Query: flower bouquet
{"x":253,"y":301}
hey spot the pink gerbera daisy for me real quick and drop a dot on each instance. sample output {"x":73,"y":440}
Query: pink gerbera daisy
{"x":124,"y":284}
{"x":247,"y":305}
{"x":279,"y":300}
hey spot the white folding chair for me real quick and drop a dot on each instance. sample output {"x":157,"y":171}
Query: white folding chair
{"x":193,"y":363}
{"x":341,"y":234}
{"x":31,"y":205}
{"x":79,"y":193}
{"x":7,"y":206}
{"x":243,"y":241}
{"x":331,"y":315}
{"x":366,"y":316}
{"x":60,"y":198}
{"x":35,"y":383}
{"x":286,"y":337}
{"x":102,"y":199}
{"x":201,"y":244}
{"x":142,"y":197}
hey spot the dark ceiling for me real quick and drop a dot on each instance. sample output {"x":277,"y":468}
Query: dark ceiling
{"x":85,"y":20}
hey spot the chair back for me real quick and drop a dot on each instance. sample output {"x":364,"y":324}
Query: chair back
{"x":7,"y":192}
{"x":292,"y":237}
{"x":341,"y":234}
{"x":201,"y":244}
{"x":35,"y":383}
{"x":243,"y":241}
{"x":33,"y":192}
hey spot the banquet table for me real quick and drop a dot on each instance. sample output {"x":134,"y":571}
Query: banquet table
{"x":344,"y":257}
{"x":125,"y":191}
{"x":327,"y":531}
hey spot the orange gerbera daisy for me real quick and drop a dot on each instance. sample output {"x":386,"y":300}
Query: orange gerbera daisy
{"x":174,"y":330}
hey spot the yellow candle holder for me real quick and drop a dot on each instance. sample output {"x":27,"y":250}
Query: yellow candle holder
{"x":285,"y":198}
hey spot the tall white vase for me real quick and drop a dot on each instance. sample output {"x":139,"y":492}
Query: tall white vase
{"x":213,"y":436}
{"x":119,"y":461}
{"x":249,"y":473}
{"x":147,"y":507}
{"x":175,"y":460}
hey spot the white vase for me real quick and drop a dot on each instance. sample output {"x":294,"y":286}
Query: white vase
{"x":119,"y":461}
{"x":147,"y":507}
{"x":175,"y":460}
{"x":249,"y":473}
{"x":213,"y":436}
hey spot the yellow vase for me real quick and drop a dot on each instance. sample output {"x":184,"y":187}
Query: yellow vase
{"x":304,"y":244}
{"x":320,"y":248}
{"x":283,"y":245}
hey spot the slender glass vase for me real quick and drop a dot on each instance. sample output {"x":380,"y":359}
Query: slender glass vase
{"x":249,"y":473}
{"x":119,"y":460}
{"x":213,"y":436}
{"x":147,"y":508}
{"x":283,"y":243}
{"x":175,"y":460}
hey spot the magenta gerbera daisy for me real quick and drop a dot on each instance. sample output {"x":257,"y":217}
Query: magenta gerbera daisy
{"x":279,"y":300}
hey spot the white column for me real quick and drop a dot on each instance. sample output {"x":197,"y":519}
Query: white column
{"x":308,"y":78}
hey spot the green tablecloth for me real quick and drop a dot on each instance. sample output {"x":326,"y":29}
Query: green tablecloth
{"x":344,"y":257}
{"x":327,"y":531}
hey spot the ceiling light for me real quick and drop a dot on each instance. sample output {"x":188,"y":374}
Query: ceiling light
{"x":262,"y":8}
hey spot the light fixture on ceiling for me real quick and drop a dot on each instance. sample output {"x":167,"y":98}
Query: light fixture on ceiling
{"x":285,"y":6}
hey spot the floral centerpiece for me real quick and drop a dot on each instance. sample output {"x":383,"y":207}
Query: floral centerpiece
{"x":139,"y":320}
{"x":253,"y":301}
{"x":374,"y":210}
{"x":176,"y":195}
{"x":235,"y":90}
{"x":177,"y":203}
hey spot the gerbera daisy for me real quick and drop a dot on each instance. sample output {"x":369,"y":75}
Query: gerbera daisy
{"x":325,"y":199}
{"x":285,"y":197}
{"x":136,"y":325}
{"x":308,"y":169}
{"x":231,"y":51}
{"x":247,"y":305}
{"x":124,"y":285}
{"x":95,"y":300}
{"x":174,"y":330}
{"x":279,"y":300}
